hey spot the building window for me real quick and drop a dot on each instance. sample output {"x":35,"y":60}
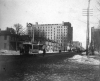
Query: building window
{"x":5,"y":45}
{"x":51,"y":35}
{"x":5,"y":37}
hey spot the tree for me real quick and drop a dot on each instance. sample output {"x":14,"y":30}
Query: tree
{"x":19,"y":31}
{"x":18,"y":28}
{"x":98,"y":5}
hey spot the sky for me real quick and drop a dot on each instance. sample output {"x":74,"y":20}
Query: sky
{"x":49,"y":12}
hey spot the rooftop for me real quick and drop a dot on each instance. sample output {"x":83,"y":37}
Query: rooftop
{"x":63,"y":23}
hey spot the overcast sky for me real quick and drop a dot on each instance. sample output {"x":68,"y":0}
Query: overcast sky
{"x":49,"y":12}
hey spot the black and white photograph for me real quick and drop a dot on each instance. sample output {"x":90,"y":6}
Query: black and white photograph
{"x":49,"y":40}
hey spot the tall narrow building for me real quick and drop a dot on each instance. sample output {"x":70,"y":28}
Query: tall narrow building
{"x":95,"y":38}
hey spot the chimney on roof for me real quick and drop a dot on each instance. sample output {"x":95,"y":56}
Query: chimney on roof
{"x":36,"y":23}
{"x":63,"y":23}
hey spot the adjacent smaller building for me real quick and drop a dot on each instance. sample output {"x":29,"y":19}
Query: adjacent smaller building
{"x":9,"y":40}
{"x":77,"y":44}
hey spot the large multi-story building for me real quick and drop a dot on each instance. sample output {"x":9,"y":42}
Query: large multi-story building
{"x":62,"y":34}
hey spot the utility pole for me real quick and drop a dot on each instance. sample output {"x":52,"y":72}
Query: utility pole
{"x":87,"y":32}
{"x":87,"y":35}
{"x":33,"y":34}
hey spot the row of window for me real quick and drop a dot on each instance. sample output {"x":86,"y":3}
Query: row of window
{"x":56,"y":37}
{"x":51,"y":27}
{"x":47,"y":35}
{"x":61,"y":32}
{"x":13,"y":38}
{"x":49,"y":31}
{"x":61,"y":29}
{"x":60,"y":41}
